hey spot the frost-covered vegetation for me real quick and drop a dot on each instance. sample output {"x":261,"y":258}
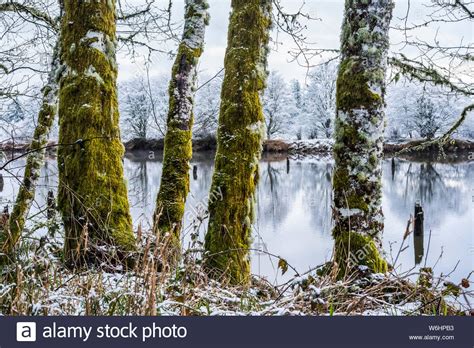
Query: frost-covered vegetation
{"x":45,"y":287}
{"x":91,"y":258}
{"x":293,"y":109}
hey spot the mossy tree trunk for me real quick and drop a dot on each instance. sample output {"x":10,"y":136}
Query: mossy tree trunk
{"x":34,"y":161}
{"x":240,"y":135}
{"x":92,"y":194}
{"x":174,"y":185}
{"x":360,"y":122}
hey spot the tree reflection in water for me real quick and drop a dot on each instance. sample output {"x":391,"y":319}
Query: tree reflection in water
{"x":294,"y":207}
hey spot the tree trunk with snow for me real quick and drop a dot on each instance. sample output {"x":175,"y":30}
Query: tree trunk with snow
{"x":240,"y":134}
{"x":92,"y":194}
{"x":34,"y":160}
{"x":359,"y":135}
{"x":174,"y":185}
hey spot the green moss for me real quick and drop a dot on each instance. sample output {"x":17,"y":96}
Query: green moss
{"x":174,"y":185}
{"x":362,"y":177}
{"x":354,"y":249}
{"x":240,"y":137}
{"x":92,"y":194}
{"x":174,"y":182}
{"x":355,"y":201}
{"x":352,"y":87}
{"x":340,"y":178}
{"x":360,"y":103}
{"x":352,"y":199}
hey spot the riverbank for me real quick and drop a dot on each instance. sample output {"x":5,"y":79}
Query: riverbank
{"x":457,"y":149}
{"x":308,"y":146}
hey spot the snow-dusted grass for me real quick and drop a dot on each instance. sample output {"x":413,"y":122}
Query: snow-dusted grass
{"x":39,"y":284}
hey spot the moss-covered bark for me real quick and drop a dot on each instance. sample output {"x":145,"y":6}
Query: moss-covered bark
{"x":34,"y":161}
{"x":240,"y":134}
{"x":92,"y":193}
{"x":174,"y":185}
{"x":359,"y":134}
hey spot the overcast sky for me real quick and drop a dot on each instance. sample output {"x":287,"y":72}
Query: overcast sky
{"x":324,"y":33}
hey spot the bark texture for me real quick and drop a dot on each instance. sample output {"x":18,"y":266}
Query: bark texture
{"x":92,"y":194}
{"x":174,"y":185}
{"x":240,"y":135}
{"x":359,"y":134}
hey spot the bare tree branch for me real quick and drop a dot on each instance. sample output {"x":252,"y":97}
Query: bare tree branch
{"x":12,"y":6}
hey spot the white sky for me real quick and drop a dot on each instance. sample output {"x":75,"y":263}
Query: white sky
{"x":324,"y":33}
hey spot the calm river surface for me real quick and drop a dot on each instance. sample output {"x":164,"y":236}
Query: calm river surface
{"x":294,"y":209}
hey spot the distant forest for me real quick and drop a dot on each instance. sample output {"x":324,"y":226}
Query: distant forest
{"x":293,"y":109}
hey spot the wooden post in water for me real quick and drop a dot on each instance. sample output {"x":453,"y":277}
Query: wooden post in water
{"x":288,"y":165}
{"x":195,"y":172}
{"x":393,"y":168}
{"x":1,"y":182}
{"x":418,"y":233}
{"x":419,"y":218}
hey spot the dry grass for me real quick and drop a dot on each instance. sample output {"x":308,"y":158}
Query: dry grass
{"x":38,"y":284}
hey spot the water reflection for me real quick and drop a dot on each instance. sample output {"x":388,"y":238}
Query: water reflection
{"x":294,"y":208}
{"x":442,"y":189}
{"x":419,"y":248}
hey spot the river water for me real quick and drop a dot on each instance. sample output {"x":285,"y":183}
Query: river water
{"x":294,"y":209}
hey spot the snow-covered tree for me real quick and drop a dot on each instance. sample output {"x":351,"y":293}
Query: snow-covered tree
{"x":297,"y":93}
{"x":14,"y":112}
{"x":144,"y":106}
{"x":35,"y":159}
{"x":425,"y":117}
{"x":433,"y":112}
{"x":17,"y":119}
{"x":276,"y":105}
{"x":320,"y":103}
{"x":207,"y":103}
{"x":178,"y":151}
{"x":417,"y":110}
{"x":400,"y":99}
{"x":137,"y":114}
{"x":297,"y":119}
{"x":360,"y":122}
